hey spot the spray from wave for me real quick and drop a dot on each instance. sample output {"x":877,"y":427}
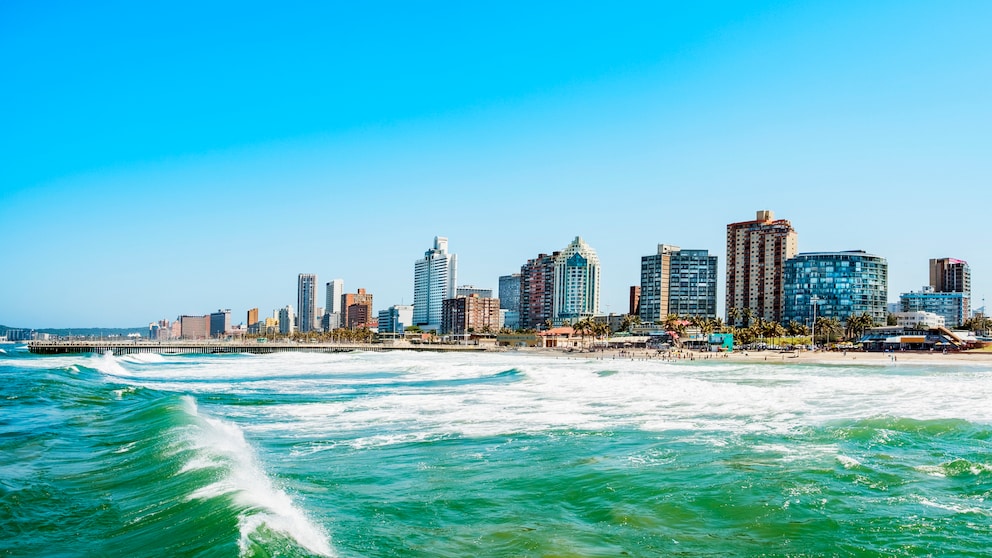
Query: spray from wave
{"x":221,"y":444}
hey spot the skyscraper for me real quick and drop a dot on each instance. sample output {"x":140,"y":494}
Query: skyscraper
{"x":756,"y":255}
{"x":576,"y":283}
{"x":306,"y":301}
{"x":332,"y":307}
{"x":434,"y":279}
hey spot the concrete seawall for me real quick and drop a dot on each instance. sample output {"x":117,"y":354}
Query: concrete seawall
{"x":215,"y":347}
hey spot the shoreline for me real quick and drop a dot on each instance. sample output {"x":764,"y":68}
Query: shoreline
{"x":777,"y":357}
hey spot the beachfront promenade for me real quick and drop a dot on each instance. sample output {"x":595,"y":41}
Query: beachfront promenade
{"x":215,"y":347}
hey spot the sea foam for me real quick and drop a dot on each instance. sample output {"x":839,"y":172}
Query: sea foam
{"x":222,"y":444}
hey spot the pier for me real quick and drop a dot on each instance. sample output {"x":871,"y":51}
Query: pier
{"x":233,"y":347}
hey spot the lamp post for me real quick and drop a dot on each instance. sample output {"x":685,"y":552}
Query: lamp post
{"x":813,"y":300}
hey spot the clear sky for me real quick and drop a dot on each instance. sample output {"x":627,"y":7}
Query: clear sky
{"x":182,"y":157}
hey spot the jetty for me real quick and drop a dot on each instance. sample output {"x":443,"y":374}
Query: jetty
{"x":234,"y":347}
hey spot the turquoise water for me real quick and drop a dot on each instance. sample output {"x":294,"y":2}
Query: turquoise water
{"x":409,"y":454}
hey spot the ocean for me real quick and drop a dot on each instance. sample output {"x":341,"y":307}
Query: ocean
{"x":495,"y":454}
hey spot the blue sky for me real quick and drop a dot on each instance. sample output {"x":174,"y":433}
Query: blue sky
{"x":178,"y":158}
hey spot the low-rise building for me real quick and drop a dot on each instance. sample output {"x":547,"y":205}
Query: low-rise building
{"x":926,"y":319}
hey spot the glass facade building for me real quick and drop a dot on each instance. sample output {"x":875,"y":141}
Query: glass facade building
{"x":841,"y":284}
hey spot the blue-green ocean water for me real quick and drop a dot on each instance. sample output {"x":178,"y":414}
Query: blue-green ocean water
{"x":410,"y":454}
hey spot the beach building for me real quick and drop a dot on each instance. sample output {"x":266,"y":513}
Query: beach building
{"x":840,"y":284}
{"x":306,"y":301}
{"x":756,"y":254}
{"x":635,"y":301}
{"x":676,"y":281}
{"x":470,"y":314}
{"x":536,"y":291}
{"x":395,"y":319}
{"x":576,"y":283}
{"x":434,"y":279}
{"x":509,"y":292}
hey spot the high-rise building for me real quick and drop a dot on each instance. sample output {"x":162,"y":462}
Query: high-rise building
{"x":470,"y":314}
{"x":656,"y":272}
{"x":509,"y":292}
{"x":469,"y":290}
{"x":306,"y":301}
{"x":220,"y":323}
{"x":287,"y":320}
{"x":576,"y":283}
{"x":635,"y":301}
{"x":395,"y":319}
{"x":840,"y":284}
{"x":332,"y":309}
{"x":692,"y":284}
{"x":949,"y":275}
{"x":537,"y":281}
{"x":357,"y":309}
{"x":676,"y":281}
{"x":756,"y":254}
{"x":252,"y":317}
{"x":434,"y":279}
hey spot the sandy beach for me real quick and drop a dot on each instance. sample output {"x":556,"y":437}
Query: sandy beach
{"x":791,"y":357}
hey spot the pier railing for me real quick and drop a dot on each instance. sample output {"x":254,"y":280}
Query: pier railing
{"x":215,"y":347}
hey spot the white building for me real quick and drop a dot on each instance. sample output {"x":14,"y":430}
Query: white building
{"x":434,"y":279}
{"x":332,"y":307}
{"x":576,"y":283}
{"x":306,"y":301}
{"x":928,"y":319}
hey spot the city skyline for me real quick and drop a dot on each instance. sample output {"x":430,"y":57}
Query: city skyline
{"x":151,"y":158}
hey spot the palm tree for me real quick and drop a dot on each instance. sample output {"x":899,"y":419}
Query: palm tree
{"x":733,"y":314}
{"x":828,"y":327}
{"x":629,"y":321}
{"x":748,"y":315}
{"x":672,"y":322}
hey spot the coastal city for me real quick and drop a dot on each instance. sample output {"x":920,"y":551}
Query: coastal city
{"x":774,"y":295}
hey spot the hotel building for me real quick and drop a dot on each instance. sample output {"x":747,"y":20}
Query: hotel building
{"x":676,"y":281}
{"x":306,"y":301}
{"x":434,"y":279}
{"x":468,"y":314}
{"x":840,"y":284}
{"x":756,"y":254}
{"x":536,"y":289}
{"x":576,"y":283}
